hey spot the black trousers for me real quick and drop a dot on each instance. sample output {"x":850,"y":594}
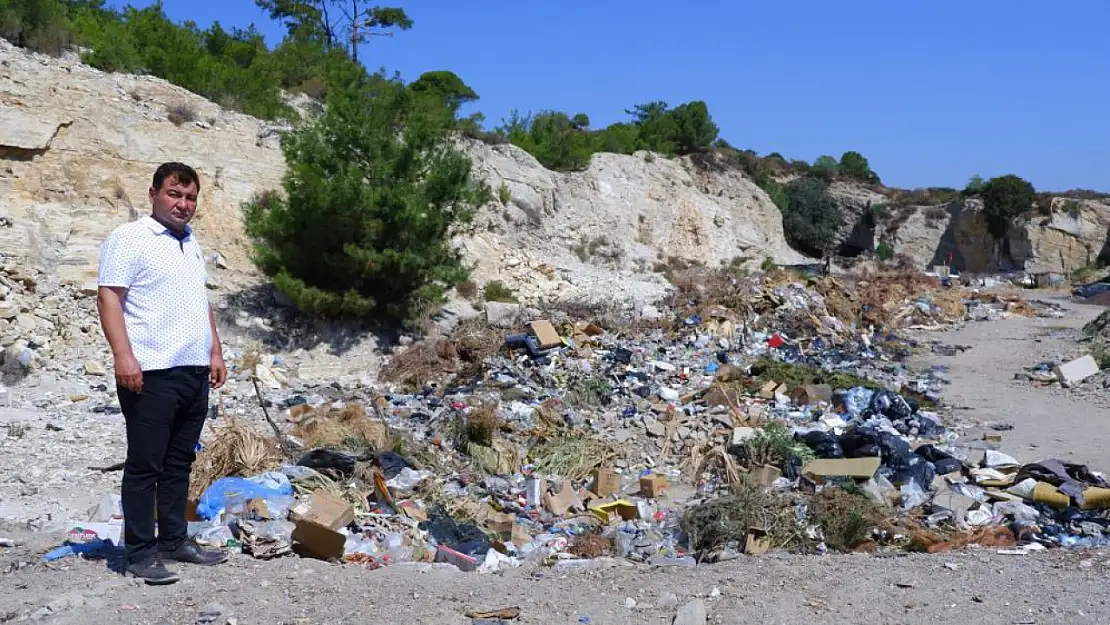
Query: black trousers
{"x":164,"y":422}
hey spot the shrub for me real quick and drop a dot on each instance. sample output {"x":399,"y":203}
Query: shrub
{"x":885,"y":251}
{"x":38,"y":25}
{"x":854,"y":165}
{"x":496,"y":291}
{"x":1005,"y":199}
{"x":181,"y":113}
{"x":812,"y":219}
{"x":504,"y":194}
{"x":825,"y":168}
{"x":467,"y":289}
{"x":374,"y":192}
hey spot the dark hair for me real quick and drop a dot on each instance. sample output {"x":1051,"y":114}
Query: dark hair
{"x":182,"y":172}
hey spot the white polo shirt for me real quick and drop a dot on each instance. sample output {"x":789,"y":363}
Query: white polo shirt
{"x":165,"y":309}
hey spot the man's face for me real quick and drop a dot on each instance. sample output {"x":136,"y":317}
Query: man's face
{"x":174,"y":204}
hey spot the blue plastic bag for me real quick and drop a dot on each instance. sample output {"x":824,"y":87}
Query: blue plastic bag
{"x":228,"y":492}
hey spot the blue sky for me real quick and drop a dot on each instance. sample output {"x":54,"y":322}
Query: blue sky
{"x":931,"y":93}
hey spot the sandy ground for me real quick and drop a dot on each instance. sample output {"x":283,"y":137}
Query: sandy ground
{"x":972,"y":586}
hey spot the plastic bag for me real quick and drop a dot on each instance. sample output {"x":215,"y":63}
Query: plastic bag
{"x":234,"y":492}
{"x":823,"y":444}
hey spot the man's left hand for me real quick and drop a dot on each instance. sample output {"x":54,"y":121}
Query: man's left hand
{"x":218,"y":373}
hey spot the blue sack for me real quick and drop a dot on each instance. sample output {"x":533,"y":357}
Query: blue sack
{"x":228,"y":491}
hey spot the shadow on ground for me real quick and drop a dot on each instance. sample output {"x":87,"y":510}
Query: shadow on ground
{"x":289,"y":329}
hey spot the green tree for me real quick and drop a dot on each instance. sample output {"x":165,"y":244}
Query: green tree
{"x":552,"y":137}
{"x":974,"y":186}
{"x":447,"y":86}
{"x":336,"y":23}
{"x":373,"y":193}
{"x":38,"y":25}
{"x":854,"y":165}
{"x":825,"y":168}
{"x":1005,"y":199}
{"x":693,"y":127}
{"x":812,"y":219}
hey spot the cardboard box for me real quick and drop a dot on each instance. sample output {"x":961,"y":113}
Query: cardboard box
{"x":86,"y":532}
{"x":652,"y":486}
{"x":757,"y":542}
{"x":611,"y":511}
{"x":811,"y":394}
{"x":607,"y":482}
{"x":860,"y":468}
{"x":766,"y":474}
{"x":313,"y":540}
{"x":546,"y":334}
{"x":323,"y":509}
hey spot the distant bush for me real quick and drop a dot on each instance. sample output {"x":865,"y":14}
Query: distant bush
{"x":855,"y":166}
{"x":812,"y":219}
{"x":1005,"y":199}
{"x":825,"y":168}
{"x":496,"y":291}
{"x":181,"y":113}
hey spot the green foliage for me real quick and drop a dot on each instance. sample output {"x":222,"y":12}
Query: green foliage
{"x":1005,"y":199}
{"x":812,"y":218}
{"x":1072,"y":209}
{"x":854,"y":165}
{"x":768,"y":264}
{"x":39,"y":25}
{"x":447,"y":86}
{"x":374,"y":191}
{"x":504,"y":194}
{"x":774,"y":444}
{"x":825,"y":168}
{"x":884,"y":251}
{"x":974,"y":186}
{"x":496,"y":291}
{"x":565,"y":143}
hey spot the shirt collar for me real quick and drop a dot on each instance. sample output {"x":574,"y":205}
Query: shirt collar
{"x":158,"y":228}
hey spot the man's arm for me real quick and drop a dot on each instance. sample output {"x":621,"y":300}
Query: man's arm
{"x":109,"y":303}
{"x":218,"y":374}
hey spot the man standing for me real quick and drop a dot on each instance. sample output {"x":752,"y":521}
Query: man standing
{"x":155,"y":314}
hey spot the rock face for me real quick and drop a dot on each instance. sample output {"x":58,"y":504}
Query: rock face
{"x":1073,"y":236}
{"x":78,"y":147}
{"x":608,"y":230}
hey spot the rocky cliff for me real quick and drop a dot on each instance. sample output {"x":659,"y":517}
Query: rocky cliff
{"x":78,"y":146}
{"x":1074,"y":235}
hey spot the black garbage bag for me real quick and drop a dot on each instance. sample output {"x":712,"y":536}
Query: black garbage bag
{"x":912,"y":468}
{"x":462,"y":537}
{"x":929,"y":428}
{"x":890,"y":405}
{"x":823,"y":444}
{"x":942,"y":462}
{"x":328,"y":460}
{"x":392,"y":463}
{"x":860,"y":443}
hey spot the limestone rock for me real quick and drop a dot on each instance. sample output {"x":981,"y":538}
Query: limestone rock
{"x":502,"y":314}
{"x":95,"y":368}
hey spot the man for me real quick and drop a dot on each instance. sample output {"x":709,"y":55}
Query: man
{"x":155,"y":314}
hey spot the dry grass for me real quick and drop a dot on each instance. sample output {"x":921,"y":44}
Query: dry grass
{"x":235,"y":450}
{"x":847,"y":519}
{"x":572,"y":456}
{"x":423,"y":362}
{"x":591,"y":545}
{"x":474,"y":342}
{"x":727,"y":519}
{"x":347,"y":427}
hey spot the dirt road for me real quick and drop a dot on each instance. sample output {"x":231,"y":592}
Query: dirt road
{"x":971,"y":586}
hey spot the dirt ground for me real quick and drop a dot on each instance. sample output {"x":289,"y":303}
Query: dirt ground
{"x":974,"y":585}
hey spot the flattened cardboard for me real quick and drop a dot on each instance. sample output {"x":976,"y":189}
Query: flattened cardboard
{"x":323,"y":509}
{"x":861,"y":468}
{"x":546,"y":334}
{"x":766,"y":474}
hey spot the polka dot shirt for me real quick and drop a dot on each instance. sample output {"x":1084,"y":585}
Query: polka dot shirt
{"x":165,"y":309}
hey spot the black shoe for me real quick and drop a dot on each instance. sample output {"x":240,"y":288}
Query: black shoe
{"x":152,"y":571}
{"x":192,"y":553}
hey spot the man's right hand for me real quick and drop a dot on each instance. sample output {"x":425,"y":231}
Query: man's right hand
{"x":128,"y":373}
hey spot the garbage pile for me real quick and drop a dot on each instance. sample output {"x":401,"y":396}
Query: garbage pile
{"x":746,"y":414}
{"x":1095,"y":343}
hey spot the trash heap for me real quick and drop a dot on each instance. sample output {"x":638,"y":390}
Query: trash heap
{"x":742,"y":415}
{"x":1095,"y":350}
